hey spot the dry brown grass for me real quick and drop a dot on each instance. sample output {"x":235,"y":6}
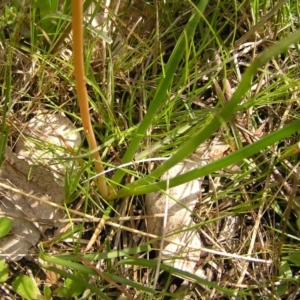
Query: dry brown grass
{"x":241,"y":211}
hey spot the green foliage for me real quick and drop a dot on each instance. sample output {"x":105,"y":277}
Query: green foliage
{"x":8,"y":16}
{"x":294,"y":258}
{"x":71,"y":288}
{"x":47,"y":9}
{"x":78,"y":281}
{"x":5,"y":226}
{"x":47,"y":293}
{"x":72,"y":180}
{"x":4,"y":271}
{"x":214,"y":121}
{"x":49,"y":20}
{"x":285,"y":274}
{"x":161,"y":93}
{"x":142,"y":186}
{"x":27,"y":288}
{"x":182,"y":274}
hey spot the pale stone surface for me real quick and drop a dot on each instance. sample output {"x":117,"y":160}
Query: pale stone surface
{"x":39,"y":172}
{"x":36,"y":181}
{"x":40,"y":142}
{"x":183,"y":250}
{"x":182,"y":200}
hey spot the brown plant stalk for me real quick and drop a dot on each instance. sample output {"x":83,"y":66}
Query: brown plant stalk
{"x":77,"y":27}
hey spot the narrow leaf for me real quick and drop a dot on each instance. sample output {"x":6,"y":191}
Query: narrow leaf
{"x":163,"y":86}
{"x":134,"y":189}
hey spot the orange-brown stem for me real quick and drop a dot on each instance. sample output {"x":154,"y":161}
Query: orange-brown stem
{"x":77,"y":27}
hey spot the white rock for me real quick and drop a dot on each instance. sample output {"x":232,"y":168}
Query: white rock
{"x":182,"y":200}
{"x":42,"y":139}
{"x":38,"y":170}
{"x":32,"y":180}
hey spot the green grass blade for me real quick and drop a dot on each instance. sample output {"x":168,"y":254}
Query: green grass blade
{"x":127,"y":282}
{"x":65,"y":274}
{"x":46,"y":8}
{"x":163,"y":86}
{"x":107,"y":255}
{"x":216,"y":120}
{"x":176,"y":272}
{"x":5,"y":107}
{"x":233,"y":158}
{"x":68,"y":264}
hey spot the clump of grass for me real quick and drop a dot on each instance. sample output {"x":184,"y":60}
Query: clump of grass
{"x":205,"y":70}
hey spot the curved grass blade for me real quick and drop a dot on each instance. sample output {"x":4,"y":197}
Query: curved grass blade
{"x":231,"y":159}
{"x":215,"y":120}
{"x":162,"y":88}
{"x":176,"y":272}
{"x":89,"y":286}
